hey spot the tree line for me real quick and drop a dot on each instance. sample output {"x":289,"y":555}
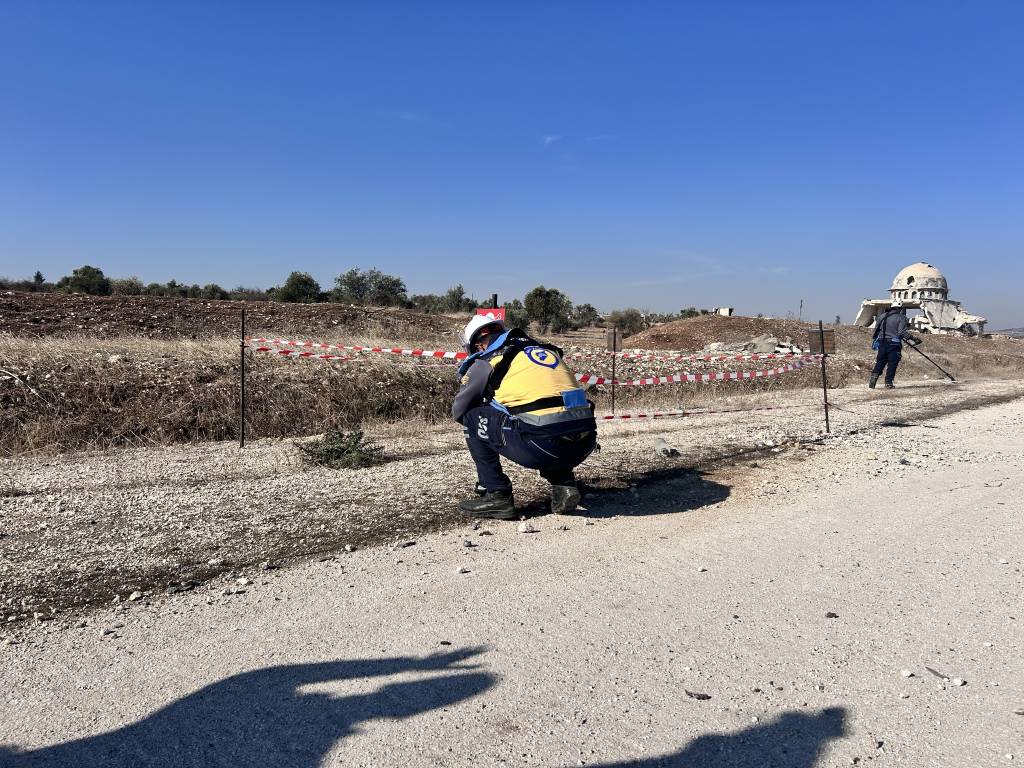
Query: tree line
{"x":550,"y":308}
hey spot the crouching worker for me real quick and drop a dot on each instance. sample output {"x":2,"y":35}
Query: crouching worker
{"x":517,"y":399}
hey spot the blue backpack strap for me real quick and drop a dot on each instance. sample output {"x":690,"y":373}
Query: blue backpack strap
{"x":493,"y":347}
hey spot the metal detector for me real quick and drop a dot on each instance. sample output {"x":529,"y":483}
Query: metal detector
{"x":922,"y":354}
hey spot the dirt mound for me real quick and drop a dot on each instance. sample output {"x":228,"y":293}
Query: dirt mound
{"x":696,"y":333}
{"x":60,"y":314}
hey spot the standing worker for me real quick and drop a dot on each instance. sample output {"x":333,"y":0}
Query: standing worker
{"x":518,"y":399}
{"x":891,"y":331}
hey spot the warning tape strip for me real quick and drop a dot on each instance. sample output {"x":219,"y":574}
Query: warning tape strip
{"x":441,"y":354}
{"x":433,"y":353}
{"x":679,"y":378}
{"x":666,"y":414}
{"x":298,"y":353}
{"x":686,"y":358}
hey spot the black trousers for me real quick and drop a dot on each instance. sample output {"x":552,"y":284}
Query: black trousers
{"x":888,"y":358}
{"x":491,"y":434}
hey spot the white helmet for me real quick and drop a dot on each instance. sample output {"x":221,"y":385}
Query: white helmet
{"x":896,"y":304}
{"x":476,"y":324}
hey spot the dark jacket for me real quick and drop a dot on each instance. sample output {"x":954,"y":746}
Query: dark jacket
{"x":471,"y":392}
{"x":892,"y":326}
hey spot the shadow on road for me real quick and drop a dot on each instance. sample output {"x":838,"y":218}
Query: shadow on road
{"x":794,"y":740}
{"x":660,"y":492}
{"x":262,"y":718}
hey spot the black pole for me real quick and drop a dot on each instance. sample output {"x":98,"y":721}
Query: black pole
{"x":494,"y":301}
{"x":922,"y":354}
{"x":824,"y":376}
{"x":615,"y":354}
{"x":241,"y":405}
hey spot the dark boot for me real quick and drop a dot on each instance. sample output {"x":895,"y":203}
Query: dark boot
{"x":890,"y":385}
{"x":872,"y":381}
{"x":496,"y":505}
{"x":565,"y":497}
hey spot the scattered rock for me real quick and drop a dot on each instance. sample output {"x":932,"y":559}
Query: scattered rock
{"x":134,"y":596}
{"x":469,"y":544}
{"x":485,"y":532}
{"x":215,"y":561}
{"x":958,"y":681}
{"x":242,"y":582}
{"x":462,"y":569}
{"x":527,"y":527}
{"x":665,"y":449}
{"x":702,"y":569}
{"x":349,"y":548}
{"x":697,"y":696}
{"x":907,"y":673}
{"x":831,"y":615}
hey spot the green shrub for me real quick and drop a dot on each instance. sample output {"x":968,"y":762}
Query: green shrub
{"x":343,"y":450}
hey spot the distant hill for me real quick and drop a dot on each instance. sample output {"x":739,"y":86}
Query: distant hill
{"x":1017,"y":333}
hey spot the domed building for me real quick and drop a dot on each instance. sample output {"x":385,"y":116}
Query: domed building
{"x":925,"y":293}
{"x":919,"y":280}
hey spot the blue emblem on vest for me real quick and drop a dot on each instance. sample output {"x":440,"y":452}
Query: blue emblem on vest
{"x":541,"y":356}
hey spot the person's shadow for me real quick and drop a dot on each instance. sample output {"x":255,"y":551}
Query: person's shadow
{"x":262,"y":718}
{"x":793,"y":740}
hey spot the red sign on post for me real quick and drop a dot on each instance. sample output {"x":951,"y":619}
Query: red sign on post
{"x":498,"y":313}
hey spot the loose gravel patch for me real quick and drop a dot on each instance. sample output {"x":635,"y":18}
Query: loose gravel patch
{"x":92,"y":528}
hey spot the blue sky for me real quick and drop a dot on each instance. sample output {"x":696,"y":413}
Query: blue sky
{"x":651,"y":154}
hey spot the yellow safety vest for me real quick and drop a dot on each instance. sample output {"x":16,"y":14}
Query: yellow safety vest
{"x":534,"y":374}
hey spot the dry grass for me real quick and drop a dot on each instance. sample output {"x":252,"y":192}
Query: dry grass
{"x":69,"y":393}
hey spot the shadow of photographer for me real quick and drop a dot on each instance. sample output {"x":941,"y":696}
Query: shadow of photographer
{"x":262,"y":718}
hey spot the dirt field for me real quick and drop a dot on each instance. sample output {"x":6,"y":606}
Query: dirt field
{"x":71,"y":379}
{"x":113,"y":317}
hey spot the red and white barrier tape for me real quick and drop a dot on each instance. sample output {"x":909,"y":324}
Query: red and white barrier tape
{"x":434,"y":353}
{"x":666,"y":414}
{"x":584,"y":378}
{"x":297,"y":353}
{"x":679,"y":378}
{"x":686,"y":358}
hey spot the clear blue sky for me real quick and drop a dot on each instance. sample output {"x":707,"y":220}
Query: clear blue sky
{"x":655,"y":154}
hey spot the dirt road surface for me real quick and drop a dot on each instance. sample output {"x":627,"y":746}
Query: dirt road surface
{"x":860,"y":603}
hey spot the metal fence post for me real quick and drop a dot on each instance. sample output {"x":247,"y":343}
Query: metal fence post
{"x":615,"y":355}
{"x":824,"y":376}
{"x":241,"y":404}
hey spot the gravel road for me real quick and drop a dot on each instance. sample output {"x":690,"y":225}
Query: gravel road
{"x":855,"y":601}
